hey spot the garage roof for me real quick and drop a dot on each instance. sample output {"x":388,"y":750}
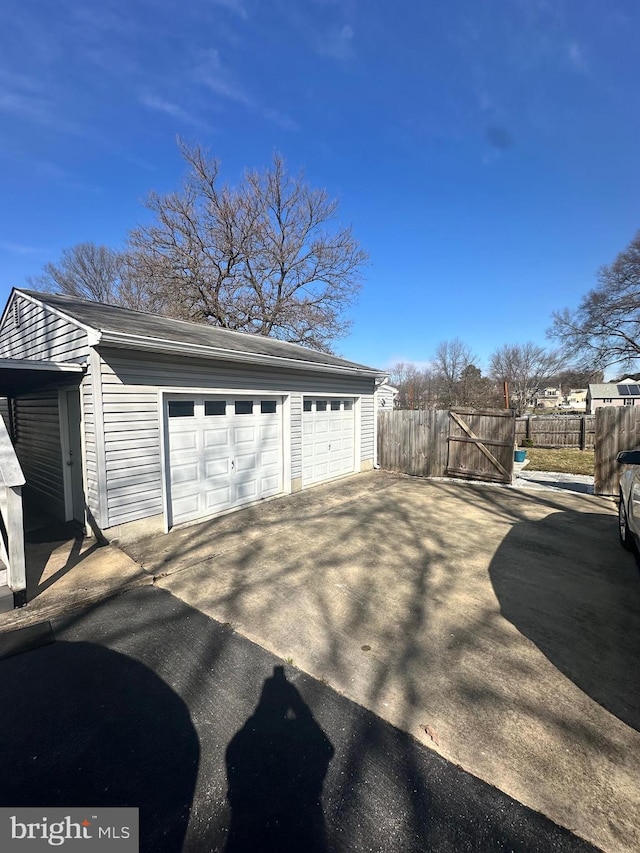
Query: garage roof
{"x":124,"y":327}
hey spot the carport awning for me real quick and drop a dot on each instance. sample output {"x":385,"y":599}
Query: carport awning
{"x":21,"y":375}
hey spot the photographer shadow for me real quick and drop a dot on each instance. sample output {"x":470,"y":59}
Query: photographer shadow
{"x":276,"y":765}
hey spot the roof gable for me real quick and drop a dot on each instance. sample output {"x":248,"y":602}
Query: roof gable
{"x":32,"y":330}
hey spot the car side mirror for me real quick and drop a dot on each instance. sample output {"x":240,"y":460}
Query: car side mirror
{"x":629,"y":457}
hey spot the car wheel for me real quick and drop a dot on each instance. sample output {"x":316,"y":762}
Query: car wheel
{"x":623,"y":526}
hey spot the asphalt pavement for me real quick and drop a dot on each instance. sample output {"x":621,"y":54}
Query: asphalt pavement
{"x":144,"y":701}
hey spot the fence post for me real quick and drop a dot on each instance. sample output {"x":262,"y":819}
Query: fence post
{"x":583,"y":432}
{"x":528,"y":430}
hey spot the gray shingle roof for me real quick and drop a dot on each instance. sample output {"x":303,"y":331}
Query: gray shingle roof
{"x":608,"y":390}
{"x":152,"y":327}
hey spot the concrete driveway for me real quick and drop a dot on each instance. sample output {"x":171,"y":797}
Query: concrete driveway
{"x":141,"y":700}
{"x":500,"y":627}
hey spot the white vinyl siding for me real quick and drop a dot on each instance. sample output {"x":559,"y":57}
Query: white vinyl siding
{"x":130,"y":385}
{"x":89,"y":444}
{"x":367,"y":419}
{"x":33,"y":332}
{"x":37,"y":427}
{"x":132,"y":453}
{"x":296,"y":436}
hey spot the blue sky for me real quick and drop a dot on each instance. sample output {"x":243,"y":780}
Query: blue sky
{"x":486,"y":153}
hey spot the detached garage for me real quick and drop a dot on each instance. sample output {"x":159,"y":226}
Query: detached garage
{"x":156,"y":422}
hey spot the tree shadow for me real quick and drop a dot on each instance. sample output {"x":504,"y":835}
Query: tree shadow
{"x":103,"y":730}
{"x":582,"y":614}
{"x":276,"y":765}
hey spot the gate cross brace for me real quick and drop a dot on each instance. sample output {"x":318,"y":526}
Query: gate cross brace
{"x":479,"y":444}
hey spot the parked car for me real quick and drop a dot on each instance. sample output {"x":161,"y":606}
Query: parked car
{"x":629,"y":506}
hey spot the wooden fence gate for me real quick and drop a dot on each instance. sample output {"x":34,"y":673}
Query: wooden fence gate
{"x":481,"y":444}
{"x":617,"y":428}
{"x":457,"y":443}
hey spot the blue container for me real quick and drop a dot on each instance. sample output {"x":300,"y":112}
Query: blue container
{"x":519,"y":455}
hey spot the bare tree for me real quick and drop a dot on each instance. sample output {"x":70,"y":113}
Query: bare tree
{"x":525,"y":367}
{"x":449,"y":361}
{"x":416,"y":387}
{"x":85,"y":270}
{"x":260,"y":257}
{"x":605,"y":328}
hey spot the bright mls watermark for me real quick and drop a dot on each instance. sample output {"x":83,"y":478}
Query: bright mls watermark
{"x":35,"y":829}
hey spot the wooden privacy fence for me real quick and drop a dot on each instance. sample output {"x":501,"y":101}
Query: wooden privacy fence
{"x":457,"y":443}
{"x":617,"y":428}
{"x":563,"y":431}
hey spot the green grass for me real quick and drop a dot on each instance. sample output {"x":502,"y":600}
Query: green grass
{"x":566,"y":460}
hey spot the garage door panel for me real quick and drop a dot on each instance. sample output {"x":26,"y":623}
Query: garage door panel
{"x":269,"y":432}
{"x":185,"y":508}
{"x":217,"y":499}
{"x":247,"y":491}
{"x":269,"y":457}
{"x":270,"y":484}
{"x":217,"y":467}
{"x":186,"y":472}
{"x":184,"y":440}
{"x":216,"y":437}
{"x":244,"y":434}
{"x":246,"y":462}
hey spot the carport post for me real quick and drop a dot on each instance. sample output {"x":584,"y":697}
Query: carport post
{"x":15,"y":535}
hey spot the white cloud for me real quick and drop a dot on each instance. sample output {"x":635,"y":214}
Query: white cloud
{"x":161,"y":105}
{"x":234,"y":6}
{"x":20,"y":248}
{"x":577,"y":57}
{"x":211,"y":74}
{"x":338,"y":43}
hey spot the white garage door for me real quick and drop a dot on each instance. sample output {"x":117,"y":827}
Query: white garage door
{"x":328,"y":438}
{"x":223,"y":451}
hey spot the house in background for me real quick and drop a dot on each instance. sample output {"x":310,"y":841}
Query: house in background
{"x":548,"y":398}
{"x":626,"y":392}
{"x":576,"y":400}
{"x":385,"y":397}
{"x":134,"y":423}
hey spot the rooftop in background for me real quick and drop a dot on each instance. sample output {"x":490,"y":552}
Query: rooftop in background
{"x":608,"y":390}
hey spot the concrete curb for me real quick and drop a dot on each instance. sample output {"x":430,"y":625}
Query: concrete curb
{"x":76,"y":600}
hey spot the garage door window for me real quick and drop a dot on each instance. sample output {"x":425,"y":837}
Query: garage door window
{"x":215,"y":407}
{"x":180,"y":408}
{"x":306,"y":406}
{"x":335,"y":405}
{"x":321,"y":405}
{"x":348,"y":405}
{"x":244,"y":407}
